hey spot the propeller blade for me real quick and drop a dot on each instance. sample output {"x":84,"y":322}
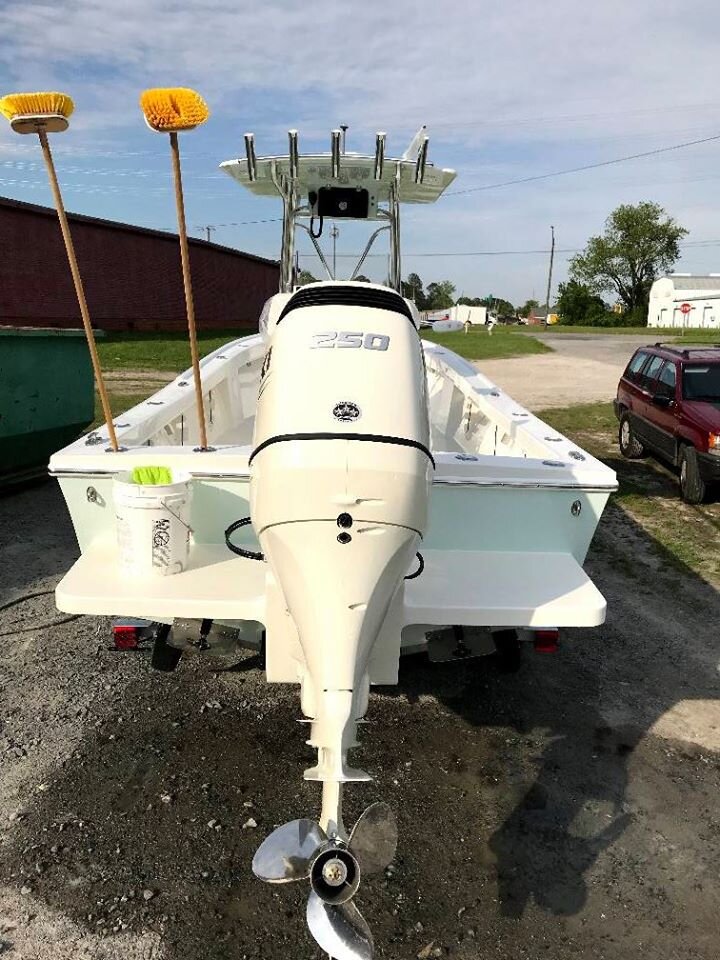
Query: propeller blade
{"x":374,"y":838}
{"x":339,"y":929}
{"x":285,"y":854}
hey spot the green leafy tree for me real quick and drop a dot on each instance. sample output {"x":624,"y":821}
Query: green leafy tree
{"x":412,"y":288}
{"x":526,"y":309}
{"x":577,"y":304}
{"x":361,"y":278}
{"x":639,"y":243}
{"x":440,"y":295}
{"x":503,"y":308}
{"x":305,"y":277}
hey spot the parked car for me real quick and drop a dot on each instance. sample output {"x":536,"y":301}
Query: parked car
{"x":668,"y":404}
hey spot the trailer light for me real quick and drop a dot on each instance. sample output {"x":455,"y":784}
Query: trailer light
{"x":546,"y":641}
{"x":714,"y":444}
{"x":125,"y":637}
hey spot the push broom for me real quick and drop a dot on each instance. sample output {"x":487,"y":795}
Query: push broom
{"x":44,"y":113}
{"x":172,"y":110}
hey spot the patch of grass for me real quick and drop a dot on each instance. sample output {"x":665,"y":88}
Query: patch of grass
{"x":560,"y":328}
{"x":648,"y":491}
{"x":159,"y":351}
{"x":666,"y":334}
{"x":119,"y":403}
{"x":171,"y":351}
{"x":478,"y":344}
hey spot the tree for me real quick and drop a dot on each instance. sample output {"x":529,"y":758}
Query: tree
{"x":503,"y":308}
{"x":526,"y":309}
{"x":412,"y":288}
{"x":361,"y":278}
{"x":577,"y":304}
{"x":440,"y":295}
{"x":305,"y":277}
{"x":639,"y":243}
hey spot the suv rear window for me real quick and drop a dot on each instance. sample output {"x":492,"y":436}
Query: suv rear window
{"x":650,"y":372}
{"x":701,"y":382}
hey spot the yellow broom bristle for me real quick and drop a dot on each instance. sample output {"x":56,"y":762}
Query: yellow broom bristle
{"x":36,"y":105}
{"x":170,"y":109}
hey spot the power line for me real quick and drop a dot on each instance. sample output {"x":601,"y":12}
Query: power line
{"x":504,"y":253}
{"x":587,"y":166}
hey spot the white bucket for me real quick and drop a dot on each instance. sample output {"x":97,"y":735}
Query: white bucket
{"x":153,"y":531}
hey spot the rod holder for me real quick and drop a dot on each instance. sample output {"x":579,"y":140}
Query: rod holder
{"x":421,"y":160}
{"x":250,"y":154}
{"x":335,"y":138}
{"x":293,"y":154}
{"x":379,"y":154}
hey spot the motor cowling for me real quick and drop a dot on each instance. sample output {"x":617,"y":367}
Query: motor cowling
{"x":340,"y":478}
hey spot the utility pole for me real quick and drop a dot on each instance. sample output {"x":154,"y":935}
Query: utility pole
{"x":552,"y":257}
{"x":334,"y":233}
{"x":208,"y":230}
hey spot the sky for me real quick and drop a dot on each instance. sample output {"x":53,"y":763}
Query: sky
{"x":508,"y":91}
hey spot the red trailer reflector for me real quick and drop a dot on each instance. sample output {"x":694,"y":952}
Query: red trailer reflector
{"x":125,"y":637}
{"x":546,"y":641}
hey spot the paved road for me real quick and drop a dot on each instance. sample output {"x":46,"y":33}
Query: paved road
{"x":583,"y":369}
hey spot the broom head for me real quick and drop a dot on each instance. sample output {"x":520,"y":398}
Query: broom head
{"x":37,"y":112}
{"x":171,"y":109}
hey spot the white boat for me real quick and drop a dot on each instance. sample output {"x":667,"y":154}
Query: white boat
{"x":393,"y":489}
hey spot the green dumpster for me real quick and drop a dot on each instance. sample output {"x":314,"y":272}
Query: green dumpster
{"x":46,"y":397}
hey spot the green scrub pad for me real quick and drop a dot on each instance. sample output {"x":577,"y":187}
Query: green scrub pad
{"x":152,"y":476}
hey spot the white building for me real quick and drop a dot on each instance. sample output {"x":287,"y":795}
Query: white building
{"x":700,"y":293}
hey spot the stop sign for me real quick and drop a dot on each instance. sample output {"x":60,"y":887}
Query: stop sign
{"x":685,"y":308}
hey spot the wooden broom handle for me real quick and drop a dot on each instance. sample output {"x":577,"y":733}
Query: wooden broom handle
{"x":79,"y":291}
{"x":189,"y":303}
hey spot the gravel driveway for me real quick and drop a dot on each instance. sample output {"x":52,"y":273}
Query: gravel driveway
{"x":583,"y":369}
{"x":570,"y":810}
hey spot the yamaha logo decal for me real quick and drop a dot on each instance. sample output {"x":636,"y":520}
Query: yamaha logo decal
{"x":346,"y":411}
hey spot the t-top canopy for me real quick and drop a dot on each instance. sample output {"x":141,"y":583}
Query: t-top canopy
{"x":416,"y":180}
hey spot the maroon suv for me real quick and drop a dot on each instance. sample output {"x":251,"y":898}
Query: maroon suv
{"x":668,"y":404}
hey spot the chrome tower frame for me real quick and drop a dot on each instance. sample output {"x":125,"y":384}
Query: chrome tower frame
{"x":296,"y":207}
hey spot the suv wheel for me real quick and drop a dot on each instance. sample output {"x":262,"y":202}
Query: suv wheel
{"x":692,"y":485}
{"x":630,"y":446}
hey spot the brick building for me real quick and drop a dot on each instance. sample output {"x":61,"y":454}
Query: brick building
{"x":132,"y":275}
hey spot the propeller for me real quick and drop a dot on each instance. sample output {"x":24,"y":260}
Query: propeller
{"x":301,"y":850}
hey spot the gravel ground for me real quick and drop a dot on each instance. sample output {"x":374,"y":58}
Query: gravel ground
{"x":583,"y":369}
{"x":566,"y":811}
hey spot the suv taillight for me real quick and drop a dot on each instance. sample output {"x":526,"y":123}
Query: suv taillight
{"x":714,"y":443}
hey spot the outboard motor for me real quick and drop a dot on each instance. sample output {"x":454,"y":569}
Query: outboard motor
{"x":340,"y":479}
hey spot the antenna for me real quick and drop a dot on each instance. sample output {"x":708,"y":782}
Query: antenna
{"x":379,"y":154}
{"x":250,"y":154}
{"x":415,"y":144}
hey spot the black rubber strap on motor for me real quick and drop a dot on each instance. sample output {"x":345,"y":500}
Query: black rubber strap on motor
{"x":339,"y":296}
{"x":241,"y":551}
{"x":366,"y":437}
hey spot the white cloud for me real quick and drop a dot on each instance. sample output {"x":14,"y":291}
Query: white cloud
{"x":508,"y":90}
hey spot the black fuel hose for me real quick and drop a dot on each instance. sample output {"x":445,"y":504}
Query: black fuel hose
{"x":241,"y":551}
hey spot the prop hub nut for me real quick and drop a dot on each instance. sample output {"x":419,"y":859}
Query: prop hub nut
{"x":334,"y":873}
